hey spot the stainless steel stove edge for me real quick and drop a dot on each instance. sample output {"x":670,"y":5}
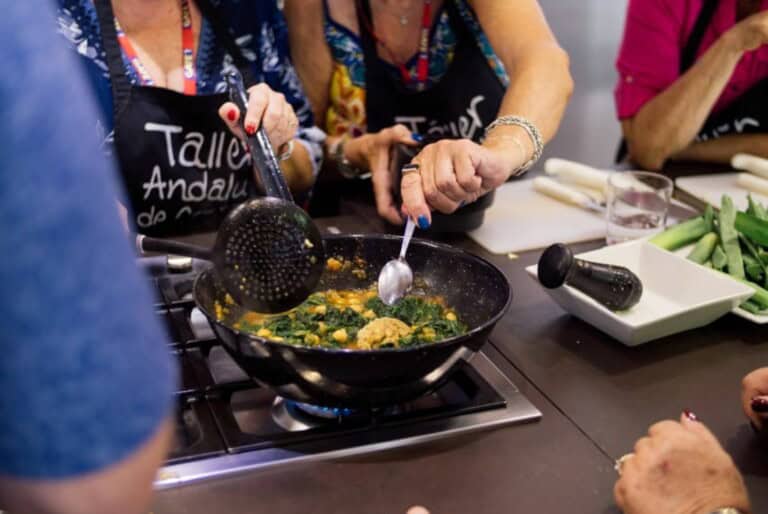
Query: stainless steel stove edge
{"x":518,"y":410}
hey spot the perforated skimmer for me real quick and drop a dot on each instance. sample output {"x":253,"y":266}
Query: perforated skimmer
{"x":268,"y":253}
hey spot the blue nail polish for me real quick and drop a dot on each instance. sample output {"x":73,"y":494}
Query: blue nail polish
{"x":417,"y":137}
{"x":423,"y":222}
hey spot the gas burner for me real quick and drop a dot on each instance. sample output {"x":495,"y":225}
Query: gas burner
{"x":296,"y":416}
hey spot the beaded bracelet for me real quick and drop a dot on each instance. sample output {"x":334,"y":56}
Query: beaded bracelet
{"x":530,"y":129}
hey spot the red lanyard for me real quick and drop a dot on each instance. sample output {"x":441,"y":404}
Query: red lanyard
{"x":188,"y":52}
{"x":422,"y":66}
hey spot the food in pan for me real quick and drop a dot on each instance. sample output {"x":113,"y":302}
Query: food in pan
{"x":357,"y":319}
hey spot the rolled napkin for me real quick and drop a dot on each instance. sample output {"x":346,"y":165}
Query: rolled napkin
{"x":752,"y":183}
{"x":751,"y":163}
{"x":577,"y":173}
{"x":563,"y":193}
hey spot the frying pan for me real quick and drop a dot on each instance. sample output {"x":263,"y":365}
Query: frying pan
{"x":366,"y":379}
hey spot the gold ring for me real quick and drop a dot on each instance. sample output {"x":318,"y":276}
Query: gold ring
{"x":619,"y":464}
{"x":410,"y":168}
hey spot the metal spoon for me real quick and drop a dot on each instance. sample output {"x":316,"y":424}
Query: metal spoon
{"x":396,"y":277}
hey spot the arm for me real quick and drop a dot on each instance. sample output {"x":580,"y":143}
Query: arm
{"x":456,"y":172}
{"x":310,"y":53}
{"x":541,"y":83}
{"x":666,"y":126}
{"x":85,"y":355}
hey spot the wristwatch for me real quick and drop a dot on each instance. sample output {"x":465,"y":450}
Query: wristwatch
{"x":342,"y":163}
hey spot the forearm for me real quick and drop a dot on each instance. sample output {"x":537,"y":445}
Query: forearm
{"x":721,"y":150}
{"x":540,"y":87}
{"x":667,"y":124}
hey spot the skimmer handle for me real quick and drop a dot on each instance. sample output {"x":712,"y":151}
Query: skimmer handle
{"x":264,"y":160}
{"x":410,"y":226}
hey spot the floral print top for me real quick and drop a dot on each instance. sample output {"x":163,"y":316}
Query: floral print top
{"x":346,"y":111}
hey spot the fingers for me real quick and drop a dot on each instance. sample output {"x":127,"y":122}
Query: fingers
{"x":465,"y":173}
{"x":276,"y":119}
{"x":663,"y":428}
{"x":414,"y":202}
{"x":382,"y":187}
{"x":230,"y":114}
{"x":431,"y":160}
{"x":691,"y":424}
{"x":258,"y":102}
{"x":754,"y":396}
{"x":401,"y":134}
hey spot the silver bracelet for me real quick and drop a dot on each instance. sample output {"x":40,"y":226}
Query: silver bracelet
{"x":727,"y":510}
{"x":530,"y":129}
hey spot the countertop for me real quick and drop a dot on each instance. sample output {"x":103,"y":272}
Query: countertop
{"x":597,"y":397}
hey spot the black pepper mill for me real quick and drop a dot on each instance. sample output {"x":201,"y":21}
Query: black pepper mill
{"x":615,"y":287}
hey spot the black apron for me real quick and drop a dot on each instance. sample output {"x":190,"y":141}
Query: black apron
{"x":182,"y":168}
{"x":746,"y":115}
{"x":465,"y":101}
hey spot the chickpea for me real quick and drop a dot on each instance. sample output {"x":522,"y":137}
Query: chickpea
{"x":340,"y":336}
{"x":264,"y":332}
{"x":312,"y":339}
{"x":320,"y":309}
{"x":369,"y":314}
{"x":322,"y":328}
{"x":450,"y":316}
{"x":333,"y":264}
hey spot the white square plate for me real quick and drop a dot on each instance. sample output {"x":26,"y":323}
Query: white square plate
{"x":678,"y":295}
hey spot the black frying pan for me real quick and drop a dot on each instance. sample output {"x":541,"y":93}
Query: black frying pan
{"x":477,"y":290}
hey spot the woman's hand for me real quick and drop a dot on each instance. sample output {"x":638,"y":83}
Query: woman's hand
{"x":750,"y":33}
{"x":754,"y":396}
{"x":372,"y":152}
{"x":267,"y":106}
{"x":679,"y":468}
{"x":453,"y":173}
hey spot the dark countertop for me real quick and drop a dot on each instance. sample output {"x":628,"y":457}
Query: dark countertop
{"x":597,"y":397}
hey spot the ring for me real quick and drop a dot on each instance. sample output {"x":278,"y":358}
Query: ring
{"x":410,"y":168}
{"x":619,"y":464}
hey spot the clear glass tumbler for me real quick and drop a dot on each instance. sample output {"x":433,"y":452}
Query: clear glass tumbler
{"x":638,"y":203}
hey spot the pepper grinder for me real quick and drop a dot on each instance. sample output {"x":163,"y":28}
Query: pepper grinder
{"x":616,"y":287}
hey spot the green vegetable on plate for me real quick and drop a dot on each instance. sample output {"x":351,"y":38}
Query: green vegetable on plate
{"x":729,"y":238}
{"x":719,"y":260}
{"x":685,"y":233}
{"x":703,"y":250}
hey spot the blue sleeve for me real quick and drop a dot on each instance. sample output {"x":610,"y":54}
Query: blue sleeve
{"x":85,"y":374}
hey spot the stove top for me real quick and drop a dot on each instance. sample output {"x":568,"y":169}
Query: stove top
{"x":227,"y":423}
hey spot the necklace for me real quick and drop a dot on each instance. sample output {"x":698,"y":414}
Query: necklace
{"x":404,"y":18}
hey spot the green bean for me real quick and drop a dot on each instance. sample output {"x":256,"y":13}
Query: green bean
{"x":730,"y":238}
{"x":704,"y":248}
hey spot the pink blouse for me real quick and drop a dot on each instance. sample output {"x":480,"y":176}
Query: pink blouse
{"x":654,"y":35}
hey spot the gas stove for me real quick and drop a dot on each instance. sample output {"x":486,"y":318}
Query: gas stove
{"x":226,"y":423}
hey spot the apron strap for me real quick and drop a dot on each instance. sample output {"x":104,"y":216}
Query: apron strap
{"x":688,"y":54}
{"x":121,"y":85}
{"x":226,"y":38}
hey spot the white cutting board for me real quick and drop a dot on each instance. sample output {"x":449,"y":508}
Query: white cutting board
{"x":711,"y":188}
{"x":521,"y":219}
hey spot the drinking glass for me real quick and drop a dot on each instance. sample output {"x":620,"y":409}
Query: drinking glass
{"x":638,"y":203}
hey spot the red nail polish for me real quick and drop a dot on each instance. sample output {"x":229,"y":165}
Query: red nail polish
{"x":232,"y":115}
{"x":250,"y":129}
{"x":760,"y":404}
{"x":690,"y":415}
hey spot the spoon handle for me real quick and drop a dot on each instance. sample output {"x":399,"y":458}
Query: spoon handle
{"x":410,"y":226}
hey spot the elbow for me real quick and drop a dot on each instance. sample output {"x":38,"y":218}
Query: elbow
{"x":647,"y":154}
